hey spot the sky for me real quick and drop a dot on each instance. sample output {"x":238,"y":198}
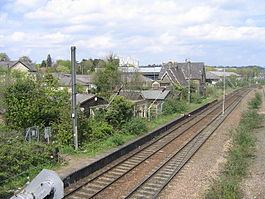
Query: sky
{"x":217,"y":32}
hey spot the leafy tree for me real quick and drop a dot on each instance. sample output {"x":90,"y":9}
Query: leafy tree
{"x":25,"y":59}
{"x":43,"y":64}
{"x":4,"y":57}
{"x":108,"y":78}
{"x":119,"y":112}
{"x":49,"y":61}
{"x":86,"y":66}
{"x":63,"y":66}
{"x":32,"y":103}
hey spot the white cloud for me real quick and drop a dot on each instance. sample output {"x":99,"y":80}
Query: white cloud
{"x":150,"y":28}
{"x":225,"y":33}
{"x":18,"y":36}
{"x":97,"y":42}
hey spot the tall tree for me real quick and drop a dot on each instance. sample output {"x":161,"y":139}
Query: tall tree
{"x":43,"y":64}
{"x":4,"y":57}
{"x":108,"y":78}
{"x":49,"y":61}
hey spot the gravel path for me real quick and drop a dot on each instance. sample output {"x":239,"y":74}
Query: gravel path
{"x":254,"y":185}
{"x":196,"y":176}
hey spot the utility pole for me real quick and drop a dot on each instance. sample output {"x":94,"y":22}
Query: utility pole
{"x":74,"y":112}
{"x":189,"y":93}
{"x":223,"y":111}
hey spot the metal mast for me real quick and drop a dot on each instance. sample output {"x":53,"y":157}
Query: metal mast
{"x":74,"y":112}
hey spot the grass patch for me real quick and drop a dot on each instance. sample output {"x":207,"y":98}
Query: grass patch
{"x":227,"y":186}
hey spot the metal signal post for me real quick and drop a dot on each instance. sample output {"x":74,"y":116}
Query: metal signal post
{"x":74,"y":112}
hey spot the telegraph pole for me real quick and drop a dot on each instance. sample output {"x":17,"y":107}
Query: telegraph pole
{"x":223,"y":111}
{"x":74,"y":112}
{"x":189,"y":93}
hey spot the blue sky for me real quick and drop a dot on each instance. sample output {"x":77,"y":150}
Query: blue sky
{"x":218,"y":32}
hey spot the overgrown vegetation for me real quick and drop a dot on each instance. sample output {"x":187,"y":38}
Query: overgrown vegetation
{"x":227,"y":186}
{"x":20,"y":160}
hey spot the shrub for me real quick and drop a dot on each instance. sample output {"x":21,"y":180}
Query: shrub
{"x":99,"y":130}
{"x":19,"y":160}
{"x":135,"y":126}
{"x":174,"y":105}
{"x":255,"y":103}
{"x":119,"y":112}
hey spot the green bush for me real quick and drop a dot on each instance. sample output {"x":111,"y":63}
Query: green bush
{"x":196,"y":98}
{"x":119,"y":112}
{"x":256,"y":102}
{"x":135,"y":126}
{"x":19,"y":160}
{"x":174,"y":105}
{"x":99,"y":130}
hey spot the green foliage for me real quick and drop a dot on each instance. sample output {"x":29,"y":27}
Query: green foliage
{"x":98,"y":130}
{"x":228,"y":185}
{"x":108,"y":78}
{"x":19,"y":160}
{"x":196,"y":98}
{"x":135,"y":126}
{"x":256,"y":102}
{"x":43,"y":64}
{"x":4,"y":57}
{"x":63,"y":66}
{"x":119,"y":112}
{"x":86,"y":66}
{"x":32,"y":103}
{"x":49,"y":61}
{"x":174,"y":105}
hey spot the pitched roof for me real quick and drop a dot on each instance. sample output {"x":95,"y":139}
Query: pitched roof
{"x":82,"y":97}
{"x":196,"y":69}
{"x":65,"y":79}
{"x":155,"y":94}
{"x":131,"y":94}
{"x":174,"y":73}
{"x":10,"y":64}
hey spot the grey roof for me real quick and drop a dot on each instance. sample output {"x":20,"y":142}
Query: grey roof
{"x":174,"y":73}
{"x":10,"y":64}
{"x":179,"y":72}
{"x":210,"y":75}
{"x":131,"y":94}
{"x":196,"y":69}
{"x":65,"y":79}
{"x":155,"y":94}
{"x":82,"y":97}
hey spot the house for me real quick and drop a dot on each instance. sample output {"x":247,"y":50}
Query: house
{"x":89,"y":102}
{"x":211,"y":78}
{"x":173,"y":73}
{"x":84,"y":81}
{"x":19,"y":66}
{"x":131,"y":75}
{"x":146,"y":102}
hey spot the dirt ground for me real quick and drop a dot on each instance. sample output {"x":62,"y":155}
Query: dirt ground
{"x":254,"y":185}
{"x":197,"y":175}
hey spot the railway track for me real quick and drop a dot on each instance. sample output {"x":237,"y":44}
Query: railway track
{"x":144,"y":173}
